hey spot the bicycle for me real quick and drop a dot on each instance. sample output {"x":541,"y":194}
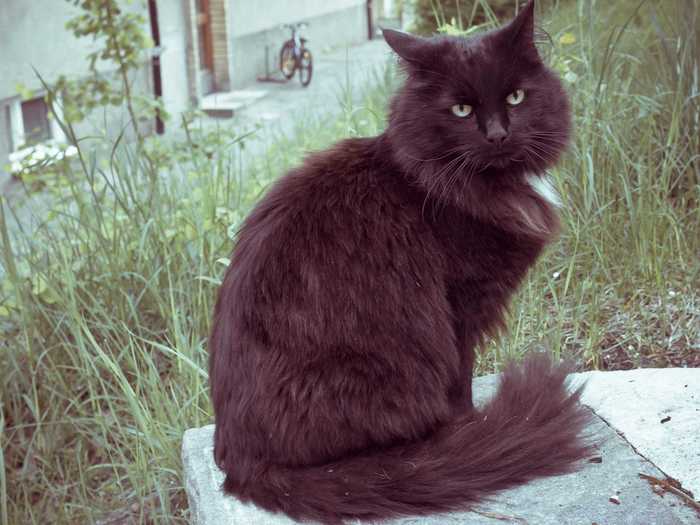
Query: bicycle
{"x":294,"y":55}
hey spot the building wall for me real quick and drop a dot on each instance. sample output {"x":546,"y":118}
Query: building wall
{"x":32,"y":33}
{"x":269,"y":14}
{"x":33,"y":36}
{"x":331,"y":24}
{"x":175,"y":39}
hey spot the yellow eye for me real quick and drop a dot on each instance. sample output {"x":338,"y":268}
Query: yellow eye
{"x":462,"y":110}
{"x":516,"y":97}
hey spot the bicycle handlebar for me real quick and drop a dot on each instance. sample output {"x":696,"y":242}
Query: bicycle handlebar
{"x":297,"y":25}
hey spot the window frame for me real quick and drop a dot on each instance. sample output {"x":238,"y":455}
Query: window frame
{"x":18,"y":133}
{"x":57,"y":138}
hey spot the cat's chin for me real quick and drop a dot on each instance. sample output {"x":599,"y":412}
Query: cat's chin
{"x":499,"y":163}
{"x":501,"y":166}
{"x":505,"y":160}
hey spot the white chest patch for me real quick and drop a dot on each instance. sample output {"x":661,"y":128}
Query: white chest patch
{"x":544,"y":188}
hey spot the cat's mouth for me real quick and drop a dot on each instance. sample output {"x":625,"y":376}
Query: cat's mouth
{"x":499,"y":162}
{"x":502,"y":159}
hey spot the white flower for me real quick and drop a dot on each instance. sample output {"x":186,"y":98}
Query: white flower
{"x":570,"y":77}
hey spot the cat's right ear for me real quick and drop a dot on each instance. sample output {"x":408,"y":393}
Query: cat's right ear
{"x":409,"y":47}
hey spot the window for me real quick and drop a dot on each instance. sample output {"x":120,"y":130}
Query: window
{"x":27,"y":122}
{"x":33,"y":139}
{"x":35,"y":118}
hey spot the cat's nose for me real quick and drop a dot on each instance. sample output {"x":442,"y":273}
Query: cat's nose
{"x":496,"y":133}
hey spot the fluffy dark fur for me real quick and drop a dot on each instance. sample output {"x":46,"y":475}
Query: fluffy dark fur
{"x":362,"y":283}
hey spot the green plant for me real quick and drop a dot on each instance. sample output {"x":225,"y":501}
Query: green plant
{"x":622,"y":283}
{"x":431,"y":16}
{"x":123,"y":45}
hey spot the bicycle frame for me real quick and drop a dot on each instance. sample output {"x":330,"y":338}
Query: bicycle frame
{"x":296,"y":38}
{"x":295,"y":56}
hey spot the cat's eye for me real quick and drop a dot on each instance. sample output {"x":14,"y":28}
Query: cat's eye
{"x":462,"y":110}
{"x":516,"y":97}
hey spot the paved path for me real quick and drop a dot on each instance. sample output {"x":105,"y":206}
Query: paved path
{"x":288,"y":104}
{"x":333,"y":71}
{"x":648,"y":422}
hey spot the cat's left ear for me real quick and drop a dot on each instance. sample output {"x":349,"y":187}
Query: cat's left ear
{"x":411,"y":48}
{"x":519,"y":34}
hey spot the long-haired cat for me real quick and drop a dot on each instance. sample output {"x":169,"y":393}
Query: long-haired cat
{"x":363,"y":282}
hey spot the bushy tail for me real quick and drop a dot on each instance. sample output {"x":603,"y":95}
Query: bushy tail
{"x":531,"y":428}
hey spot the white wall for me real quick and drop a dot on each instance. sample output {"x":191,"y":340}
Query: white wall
{"x":33,"y":33}
{"x":245,"y":17}
{"x":172,"y":19}
{"x":332,"y":23}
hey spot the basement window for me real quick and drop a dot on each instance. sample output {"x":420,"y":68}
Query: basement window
{"x":35,"y":118}
{"x":36,"y":140}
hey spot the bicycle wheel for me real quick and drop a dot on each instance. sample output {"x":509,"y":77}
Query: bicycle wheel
{"x":306,"y":67}
{"x":287,"y":61}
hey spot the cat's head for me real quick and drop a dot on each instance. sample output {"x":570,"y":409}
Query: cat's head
{"x":476,"y":113}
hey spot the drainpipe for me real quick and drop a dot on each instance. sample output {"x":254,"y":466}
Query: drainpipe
{"x":370,"y":25}
{"x":155,"y":62}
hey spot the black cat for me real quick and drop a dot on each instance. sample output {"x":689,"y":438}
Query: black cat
{"x":363,"y":282}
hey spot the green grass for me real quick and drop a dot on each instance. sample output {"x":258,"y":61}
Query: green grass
{"x":105,"y":308}
{"x":620,"y":288}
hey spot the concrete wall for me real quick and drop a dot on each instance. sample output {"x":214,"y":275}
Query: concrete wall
{"x":33,"y":36}
{"x":246,"y":19}
{"x":175,"y":36}
{"x":32,"y":33}
{"x":329,"y":26}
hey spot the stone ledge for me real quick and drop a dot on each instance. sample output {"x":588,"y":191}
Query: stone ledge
{"x":224,"y":104}
{"x":630,"y":406}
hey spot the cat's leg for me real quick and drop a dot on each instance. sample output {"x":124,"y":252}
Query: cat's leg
{"x":351,"y":404}
{"x":461,"y":391}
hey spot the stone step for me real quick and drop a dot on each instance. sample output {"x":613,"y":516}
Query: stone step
{"x":649,"y":422}
{"x":225,"y":103}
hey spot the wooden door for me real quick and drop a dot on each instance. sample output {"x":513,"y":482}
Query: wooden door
{"x":205,"y":47}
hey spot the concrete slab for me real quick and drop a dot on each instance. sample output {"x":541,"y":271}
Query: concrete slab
{"x":657,"y":410}
{"x":580,"y":498}
{"x":343,"y":69}
{"x":227,"y":102}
